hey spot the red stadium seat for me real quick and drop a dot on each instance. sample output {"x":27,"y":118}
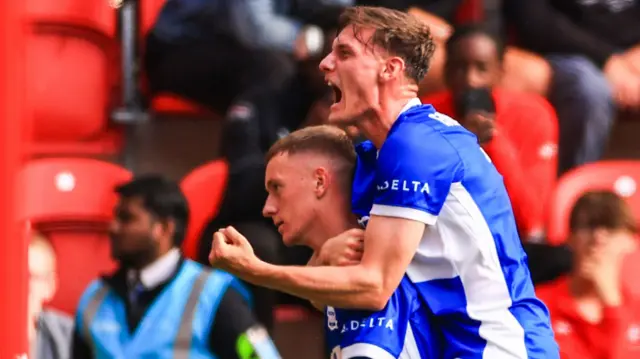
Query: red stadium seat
{"x":71,"y":202}
{"x":97,"y":16}
{"x":622,"y":177}
{"x":108,"y":142}
{"x":204,"y":188}
{"x":173,"y":104}
{"x":70,"y":51}
{"x":67,"y":87}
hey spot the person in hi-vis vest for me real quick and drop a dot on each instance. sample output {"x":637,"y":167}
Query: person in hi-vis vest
{"x":158,"y":304}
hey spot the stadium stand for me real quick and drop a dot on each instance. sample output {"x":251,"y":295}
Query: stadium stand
{"x":204,"y":188}
{"x":69,"y":50}
{"x":620,"y":176}
{"x":166,"y":103}
{"x":71,"y":200}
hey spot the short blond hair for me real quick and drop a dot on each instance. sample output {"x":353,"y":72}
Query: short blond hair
{"x":399,"y":33}
{"x":324,"y":140}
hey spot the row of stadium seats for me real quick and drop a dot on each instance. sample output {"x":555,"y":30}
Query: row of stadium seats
{"x":72,"y":74}
{"x":71,"y":200}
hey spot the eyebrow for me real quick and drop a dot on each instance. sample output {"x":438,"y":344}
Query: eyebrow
{"x":339,"y":45}
{"x":271,"y":183}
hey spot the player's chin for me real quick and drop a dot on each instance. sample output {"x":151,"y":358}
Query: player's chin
{"x":339,"y":117}
{"x":290,"y":239}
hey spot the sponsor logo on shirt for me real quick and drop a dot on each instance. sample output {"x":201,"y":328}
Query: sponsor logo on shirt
{"x":633,"y":334}
{"x":548,"y":151}
{"x":562,"y":328}
{"x":354,"y":325}
{"x":332,"y":321}
{"x":405,"y":186}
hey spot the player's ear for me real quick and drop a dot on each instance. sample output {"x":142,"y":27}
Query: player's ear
{"x":393,"y":68}
{"x":321,"y":177}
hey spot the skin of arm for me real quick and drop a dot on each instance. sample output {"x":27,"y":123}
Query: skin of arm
{"x":390,"y":245}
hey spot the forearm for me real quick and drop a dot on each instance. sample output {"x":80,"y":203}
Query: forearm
{"x":314,"y":262}
{"x":354,"y":287}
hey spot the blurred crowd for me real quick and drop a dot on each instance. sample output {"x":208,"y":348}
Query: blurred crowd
{"x":540,"y":83}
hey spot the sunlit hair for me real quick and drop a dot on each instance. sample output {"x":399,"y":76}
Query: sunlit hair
{"x":398,"y":33}
{"x":324,"y":140}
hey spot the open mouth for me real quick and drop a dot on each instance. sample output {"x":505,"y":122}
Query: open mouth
{"x":337,"y":93}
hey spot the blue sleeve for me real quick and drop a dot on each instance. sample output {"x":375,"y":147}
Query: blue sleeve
{"x":415,"y":169}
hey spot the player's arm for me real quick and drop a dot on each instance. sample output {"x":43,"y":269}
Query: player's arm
{"x":411,"y":192}
{"x":314,"y":261}
{"x":236,"y":334}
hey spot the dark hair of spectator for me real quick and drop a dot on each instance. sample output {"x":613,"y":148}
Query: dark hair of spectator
{"x":399,"y":33}
{"x":162,"y":198}
{"x":325,"y":140}
{"x":464,"y":31}
{"x":602,"y":209}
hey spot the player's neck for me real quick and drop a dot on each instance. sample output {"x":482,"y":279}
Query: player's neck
{"x":376,"y":124}
{"x":329,"y":225}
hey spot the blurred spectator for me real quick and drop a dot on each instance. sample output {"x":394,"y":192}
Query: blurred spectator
{"x":593,"y":315}
{"x":159,"y":304}
{"x":517,"y":130}
{"x":50,"y":331}
{"x":594,"y":49}
{"x":440,"y":14}
{"x":233,"y":56}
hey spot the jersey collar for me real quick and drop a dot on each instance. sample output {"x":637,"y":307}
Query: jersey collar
{"x":412,"y":103}
{"x":366,"y":147}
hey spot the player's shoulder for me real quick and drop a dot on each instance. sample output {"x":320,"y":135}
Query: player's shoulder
{"x":423,"y":122}
{"x":422,"y":131}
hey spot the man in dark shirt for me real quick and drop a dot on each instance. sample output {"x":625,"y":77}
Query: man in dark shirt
{"x":146,"y":233}
{"x":593,"y":47}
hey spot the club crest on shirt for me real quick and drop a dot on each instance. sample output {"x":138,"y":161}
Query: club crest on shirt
{"x":332,"y":320}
